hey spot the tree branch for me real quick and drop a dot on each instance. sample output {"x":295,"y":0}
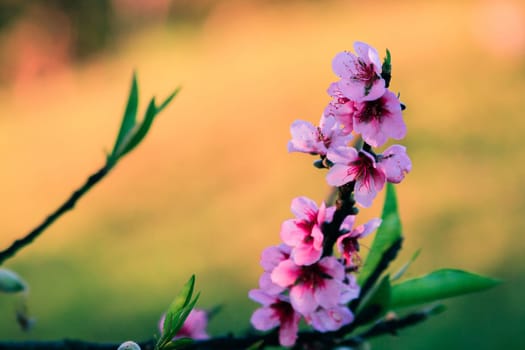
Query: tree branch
{"x":329,"y":339}
{"x":65,"y":207}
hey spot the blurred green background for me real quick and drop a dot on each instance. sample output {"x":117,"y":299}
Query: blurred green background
{"x":209,"y":187}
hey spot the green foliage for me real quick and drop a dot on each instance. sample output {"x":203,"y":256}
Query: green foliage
{"x":440,"y":284}
{"x":387,"y":236}
{"x":131,"y":133}
{"x":405,"y":267}
{"x":176,"y":314}
{"x":375,"y":303}
{"x":386,"y":68}
{"x":10,"y":282}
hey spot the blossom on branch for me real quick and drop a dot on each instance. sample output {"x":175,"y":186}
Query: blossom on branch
{"x":348,"y":244}
{"x":341,"y":108}
{"x":317,"y":140}
{"x":360,"y":75}
{"x":361,"y":167}
{"x":313,"y":286}
{"x":304,"y":233}
{"x":395,"y":163}
{"x":276,"y":311}
{"x":379,"y":119}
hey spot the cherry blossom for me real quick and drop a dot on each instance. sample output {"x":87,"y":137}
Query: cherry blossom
{"x":351,"y":165}
{"x":348,"y":244}
{"x":360,"y":75}
{"x":276,"y":311}
{"x":395,"y":163}
{"x":379,"y":119}
{"x":326,"y":320}
{"x":341,"y":107}
{"x":317,"y":140}
{"x":304,"y":233}
{"x":313,"y":286}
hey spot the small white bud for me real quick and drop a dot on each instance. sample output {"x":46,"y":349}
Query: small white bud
{"x":129,"y":345}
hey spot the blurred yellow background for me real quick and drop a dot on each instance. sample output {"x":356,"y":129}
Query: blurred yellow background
{"x":209,"y":187}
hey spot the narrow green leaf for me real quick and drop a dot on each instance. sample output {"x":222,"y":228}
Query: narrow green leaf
{"x":183,"y":315}
{"x":180,"y":343}
{"x":375,"y":303}
{"x":256,"y":346}
{"x":405,"y":267}
{"x":387,"y":63}
{"x":10,"y":282}
{"x":130,"y":117}
{"x":141,"y":131}
{"x":438,"y":285}
{"x":168,"y":100}
{"x":387,"y":235}
{"x":175,"y":312}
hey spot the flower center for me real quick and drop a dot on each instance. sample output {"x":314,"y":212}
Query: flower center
{"x":372,"y":110}
{"x":313,"y":276}
{"x":322,"y":138}
{"x":362,"y":168}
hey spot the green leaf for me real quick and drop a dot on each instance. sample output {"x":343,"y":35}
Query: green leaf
{"x":131,"y":133}
{"x":180,"y":343}
{"x":141,"y":130}
{"x":387,"y":236}
{"x":405,"y":267}
{"x":181,"y":316}
{"x":438,"y":285}
{"x":168,"y":100}
{"x":386,"y":68}
{"x":130,"y":117}
{"x":177,"y":313}
{"x":375,"y":303}
{"x":256,"y":346}
{"x":10,"y":282}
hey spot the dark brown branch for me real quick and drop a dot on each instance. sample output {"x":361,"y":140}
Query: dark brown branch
{"x":384,"y":327}
{"x":65,"y":207}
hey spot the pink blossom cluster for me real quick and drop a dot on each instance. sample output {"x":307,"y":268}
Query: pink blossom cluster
{"x":361,"y":104}
{"x":298,"y":282}
{"x":302,"y":278}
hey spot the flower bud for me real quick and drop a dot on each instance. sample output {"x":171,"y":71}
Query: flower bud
{"x":129,"y":345}
{"x":10,"y":282}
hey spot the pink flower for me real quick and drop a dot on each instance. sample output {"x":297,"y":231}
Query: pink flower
{"x":395,"y":163}
{"x":341,"y":108}
{"x":327,"y":320}
{"x":308,"y":138}
{"x":194,"y":326}
{"x":304,"y":233}
{"x":379,"y":119}
{"x":272,"y":256}
{"x":350,"y":289}
{"x":348,"y":244}
{"x":360,"y":75}
{"x":276,"y":311}
{"x":320,"y":284}
{"x":360,"y":167}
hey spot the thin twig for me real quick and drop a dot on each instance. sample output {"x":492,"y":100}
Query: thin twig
{"x":65,"y":207}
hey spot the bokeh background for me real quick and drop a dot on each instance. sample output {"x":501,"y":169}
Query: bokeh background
{"x":209,"y":187}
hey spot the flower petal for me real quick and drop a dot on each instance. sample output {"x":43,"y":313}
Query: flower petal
{"x":264,"y":319}
{"x":304,"y":208}
{"x":286,"y":273}
{"x":339,"y":175}
{"x":302,"y":299}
